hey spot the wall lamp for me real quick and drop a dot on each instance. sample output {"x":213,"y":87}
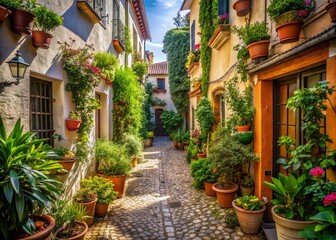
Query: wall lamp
{"x":18,"y":67}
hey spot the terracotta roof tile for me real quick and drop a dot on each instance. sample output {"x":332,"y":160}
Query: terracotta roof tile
{"x":158,"y":69}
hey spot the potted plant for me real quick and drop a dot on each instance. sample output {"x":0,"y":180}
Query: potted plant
{"x":193,"y":56}
{"x":65,"y":157}
{"x":133,"y":146}
{"x":250,"y":211}
{"x":331,"y":8}
{"x":192,"y":151}
{"x":230,"y":218}
{"x":288,"y":16}
{"x":88,"y":199}
{"x":46,"y":21}
{"x":204,"y":175}
{"x":202,"y":151}
{"x":73,"y":123}
{"x":22,"y":17}
{"x":205,"y":117}
{"x":255,"y":37}
{"x":242,"y":7}
{"x":113,"y":164}
{"x":185,"y":138}
{"x":5,"y":8}
{"x":69,"y":221}
{"x":26,"y":189}
{"x":171,"y":120}
{"x":104,"y":190}
{"x":150,"y":135}
{"x":179,"y":138}
{"x":247,"y":185}
{"x":245,"y":137}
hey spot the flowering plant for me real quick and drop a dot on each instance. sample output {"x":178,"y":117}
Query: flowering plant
{"x":222,"y":19}
{"x":230,"y":218}
{"x":194,"y":56}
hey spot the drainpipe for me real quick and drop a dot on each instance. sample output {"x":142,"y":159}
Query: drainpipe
{"x":126,"y":24}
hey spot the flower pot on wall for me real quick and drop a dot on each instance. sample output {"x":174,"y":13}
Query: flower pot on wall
{"x":290,"y":31}
{"x":225,"y":195}
{"x":4,"y":13}
{"x":72,"y":125}
{"x":331,"y":8}
{"x":45,"y":234}
{"x":288,"y":229}
{"x":259,"y":49}
{"x":22,"y":22}
{"x":41,"y":39}
{"x":242,"y":7}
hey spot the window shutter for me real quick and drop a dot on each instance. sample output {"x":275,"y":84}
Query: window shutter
{"x":192,"y":35}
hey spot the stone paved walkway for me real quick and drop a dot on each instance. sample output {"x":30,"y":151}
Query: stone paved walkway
{"x":160,"y":203}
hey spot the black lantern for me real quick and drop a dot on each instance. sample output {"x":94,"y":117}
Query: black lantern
{"x":18,"y":68}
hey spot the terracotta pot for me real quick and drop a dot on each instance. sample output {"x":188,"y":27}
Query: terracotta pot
{"x":225,"y":197}
{"x":67,"y":163}
{"x":192,"y":159}
{"x":331,"y":8}
{"x":289,"y":32}
{"x":175,"y":144}
{"x":101,"y":209}
{"x":243,"y":128}
{"x":242,"y":7}
{"x":147,"y":143}
{"x":201,"y":155}
{"x":90,"y":210}
{"x":134,"y":161}
{"x":4,"y":13}
{"x":118,"y":182}
{"x":180,"y":145}
{"x":245,"y":190}
{"x":249,"y":221}
{"x":41,"y":39}
{"x":259,"y":49}
{"x":72,"y":125}
{"x":78,"y":237}
{"x":46,"y":234}
{"x":288,"y":229}
{"x":185,"y":144}
{"x":208,"y":189}
{"x":22,"y":22}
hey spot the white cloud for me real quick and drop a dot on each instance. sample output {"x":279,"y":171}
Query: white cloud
{"x":167,"y":3}
{"x":158,"y":45}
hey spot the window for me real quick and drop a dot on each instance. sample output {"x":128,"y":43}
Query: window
{"x":192,"y":35}
{"x":161,"y":83}
{"x":223,"y":7}
{"x":41,"y":112}
{"x":100,"y":7}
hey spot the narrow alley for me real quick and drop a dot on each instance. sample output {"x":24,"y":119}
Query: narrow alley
{"x":160,"y":203}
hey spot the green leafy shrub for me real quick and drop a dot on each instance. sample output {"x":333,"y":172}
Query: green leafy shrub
{"x":140,"y":68}
{"x":202,"y":171}
{"x":171,"y":120}
{"x":249,"y":202}
{"x":107,"y":63}
{"x":205,"y":117}
{"x":230,"y":218}
{"x":10,"y":4}
{"x":132,"y":144}
{"x":247,"y":182}
{"x":252,"y":32}
{"x":46,"y":20}
{"x":85,"y":195}
{"x":103,"y":188}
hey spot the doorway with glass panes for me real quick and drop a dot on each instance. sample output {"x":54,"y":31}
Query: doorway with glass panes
{"x":288,"y":122}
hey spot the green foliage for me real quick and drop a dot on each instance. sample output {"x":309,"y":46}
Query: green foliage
{"x":193,"y":56}
{"x":240,"y":103}
{"x":128,"y":44}
{"x":171,"y":120}
{"x":230,"y":218}
{"x":46,"y":20}
{"x":251,"y":203}
{"x":176,"y":46}
{"x":192,"y":149}
{"x":26,"y":187}
{"x":108,"y":63}
{"x":140,"y":68}
{"x":128,"y":101}
{"x":202,"y":171}
{"x":29,"y":5}
{"x":179,"y":21}
{"x":205,"y":117}
{"x":132,"y":144}
{"x":252,"y":32}
{"x":84,"y":195}
{"x":146,"y":124}
{"x":112,"y":158}
{"x":159,"y":102}
{"x":247,"y":182}
{"x":103,"y":188}
{"x":10,"y":4}
{"x":206,"y":20}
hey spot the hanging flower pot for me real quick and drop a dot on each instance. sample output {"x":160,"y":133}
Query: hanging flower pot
{"x":4,"y":13}
{"x":72,"y":124}
{"x":245,"y":137}
{"x":258,"y":49}
{"x":41,"y":39}
{"x":22,"y":22}
{"x":242,"y":7}
{"x":331,"y":8}
{"x":289,"y":31}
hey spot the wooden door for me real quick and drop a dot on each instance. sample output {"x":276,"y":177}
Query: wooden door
{"x":159,"y":130}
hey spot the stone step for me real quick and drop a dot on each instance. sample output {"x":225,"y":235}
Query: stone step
{"x":270,"y":231}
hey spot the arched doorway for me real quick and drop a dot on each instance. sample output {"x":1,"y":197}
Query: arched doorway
{"x":218,"y":106}
{"x":159,"y":130}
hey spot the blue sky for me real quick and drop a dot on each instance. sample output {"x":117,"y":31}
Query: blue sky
{"x":160,"y":14}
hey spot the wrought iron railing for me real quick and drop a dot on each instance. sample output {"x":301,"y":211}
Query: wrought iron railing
{"x":118,"y":32}
{"x":98,"y":6}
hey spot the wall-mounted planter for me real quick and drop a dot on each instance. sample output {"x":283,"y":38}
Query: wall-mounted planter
{"x":22,"y":22}
{"x":242,"y":7}
{"x":41,"y":39}
{"x":72,"y":125}
{"x":118,"y":46}
{"x":259,"y":49}
{"x":86,"y":8}
{"x":220,"y":36}
{"x":4,"y":13}
{"x":289,"y":32}
{"x":331,"y":8}
{"x":193,"y":67}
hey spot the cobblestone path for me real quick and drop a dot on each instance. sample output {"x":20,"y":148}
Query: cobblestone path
{"x":160,"y":203}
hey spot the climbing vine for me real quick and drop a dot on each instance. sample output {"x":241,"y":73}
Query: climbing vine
{"x":128,"y":44}
{"x":206,"y":20}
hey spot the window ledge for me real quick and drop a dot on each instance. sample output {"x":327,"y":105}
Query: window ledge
{"x":118,"y":46}
{"x":157,"y":90}
{"x":88,"y":11}
{"x":221,"y":35}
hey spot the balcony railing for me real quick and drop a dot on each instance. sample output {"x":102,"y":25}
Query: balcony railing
{"x":118,"y":32}
{"x":92,"y":8}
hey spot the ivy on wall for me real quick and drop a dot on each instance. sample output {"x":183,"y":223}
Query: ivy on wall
{"x":176,"y":44}
{"x":128,"y":44}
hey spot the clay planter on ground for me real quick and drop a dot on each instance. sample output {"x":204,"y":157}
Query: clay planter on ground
{"x":72,"y":125}
{"x":225,"y":196}
{"x":147,"y":143}
{"x":67,"y":163}
{"x":22,"y":22}
{"x":90,"y":210}
{"x":41,"y":39}
{"x":118,"y":182}
{"x":192,"y":159}
{"x":248,"y":191}
{"x":101,"y":209}
{"x":180,"y":145}
{"x":249,"y":221}
{"x":78,"y":237}
{"x":259,"y":49}
{"x":288,"y":229}
{"x":243,"y":128}
{"x":201,"y":155}
{"x":208,"y":189}
{"x":242,"y":7}
{"x":4,"y":13}
{"x":45,"y":234}
{"x":289,"y":32}
{"x":331,"y":8}
{"x":134,"y":161}
{"x":175,"y":144}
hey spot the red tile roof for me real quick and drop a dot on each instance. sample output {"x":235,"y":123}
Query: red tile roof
{"x":158,"y":69}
